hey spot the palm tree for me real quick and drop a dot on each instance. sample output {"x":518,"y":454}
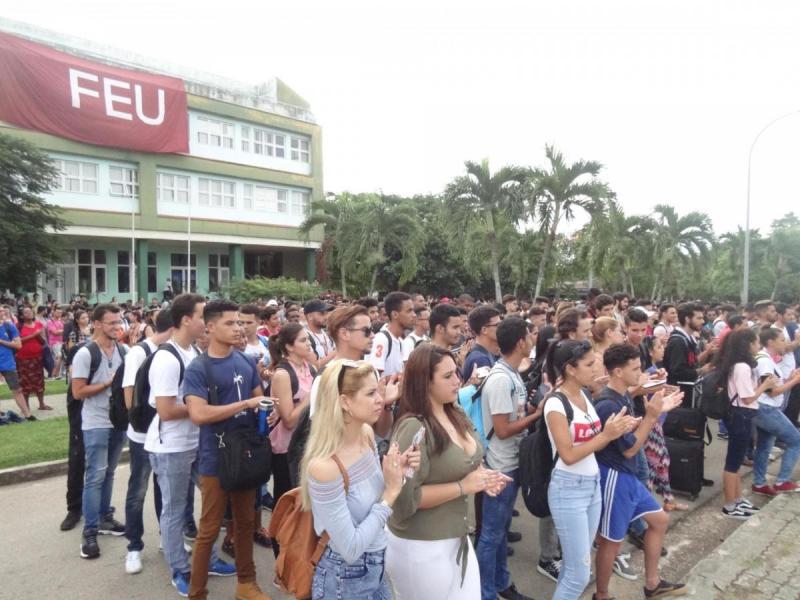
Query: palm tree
{"x":386,"y":221}
{"x":557,"y":192}
{"x":612,"y":245}
{"x":338,"y":217}
{"x":680,"y":241}
{"x":482,"y":199}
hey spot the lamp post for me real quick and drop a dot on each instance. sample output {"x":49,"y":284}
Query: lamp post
{"x":746,"y":278}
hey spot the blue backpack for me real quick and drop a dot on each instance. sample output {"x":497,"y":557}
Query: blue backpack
{"x":469,"y":397}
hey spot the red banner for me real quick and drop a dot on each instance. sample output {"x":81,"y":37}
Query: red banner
{"x":58,"y":93}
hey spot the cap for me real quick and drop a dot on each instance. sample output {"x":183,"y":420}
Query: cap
{"x":272,"y":302}
{"x":313,"y":306}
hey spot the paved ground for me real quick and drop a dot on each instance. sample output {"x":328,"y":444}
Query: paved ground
{"x":36,"y":557}
{"x":758,"y":561}
{"x":58,"y":402}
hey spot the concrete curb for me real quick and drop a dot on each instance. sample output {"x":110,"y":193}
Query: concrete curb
{"x":26,"y":473}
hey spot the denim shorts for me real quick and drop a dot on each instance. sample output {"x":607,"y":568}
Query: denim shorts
{"x":740,"y":436}
{"x":364,"y":579}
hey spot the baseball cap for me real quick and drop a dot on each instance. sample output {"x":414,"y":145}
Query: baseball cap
{"x":313,"y":306}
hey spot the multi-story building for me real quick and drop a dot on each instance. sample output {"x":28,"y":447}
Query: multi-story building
{"x":227,"y":208}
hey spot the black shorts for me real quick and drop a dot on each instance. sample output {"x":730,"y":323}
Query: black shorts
{"x":11,"y":379}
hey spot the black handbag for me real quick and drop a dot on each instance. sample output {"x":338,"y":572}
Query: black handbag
{"x":687,"y":424}
{"x":243,"y":455}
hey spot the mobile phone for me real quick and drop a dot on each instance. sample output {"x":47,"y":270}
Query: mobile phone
{"x":654,"y":383}
{"x":415,"y":442}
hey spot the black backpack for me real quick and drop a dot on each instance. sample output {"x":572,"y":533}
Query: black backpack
{"x":141,"y":413}
{"x":714,"y":400}
{"x":117,"y":411}
{"x":96,"y":355}
{"x":536,"y":462}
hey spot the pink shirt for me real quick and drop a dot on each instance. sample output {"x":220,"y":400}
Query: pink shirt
{"x":742,"y":383}
{"x":280,"y":435}
{"x":55,"y":332}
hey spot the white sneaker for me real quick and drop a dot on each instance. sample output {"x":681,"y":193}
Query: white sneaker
{"x":133,"y":562}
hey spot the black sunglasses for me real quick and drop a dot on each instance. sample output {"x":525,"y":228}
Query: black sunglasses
{"x":367,"y":331}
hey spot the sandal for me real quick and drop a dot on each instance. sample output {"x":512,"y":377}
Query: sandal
{"x":672,"y":506}
{"x":45,"y":407}
{"x":261,"y":538}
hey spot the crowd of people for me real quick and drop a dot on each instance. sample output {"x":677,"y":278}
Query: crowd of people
{"x":416,"y":496}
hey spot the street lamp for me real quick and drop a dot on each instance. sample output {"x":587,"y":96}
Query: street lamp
{"x":746,"y":278}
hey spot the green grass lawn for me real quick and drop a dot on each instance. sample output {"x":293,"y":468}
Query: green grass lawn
{"x":33,"y":442}
{"x":57,"y":386}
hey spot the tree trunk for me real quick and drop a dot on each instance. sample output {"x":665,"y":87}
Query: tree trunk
{"x":377,"y":266}
{"x":495,"y":255}
{"x":344,"y":279}
{"x":633,"y":292}
{"x":548,"y":246}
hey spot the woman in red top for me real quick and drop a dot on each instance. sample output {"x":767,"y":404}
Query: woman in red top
{"x":30,"y":366}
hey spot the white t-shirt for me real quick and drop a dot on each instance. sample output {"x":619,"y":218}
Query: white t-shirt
{"x":766,"y":366}
{"x":411,"y":341}
{"x":389,"y":361}
{"x":259,"y":352}
{"x":177,"y":435}
{"x":788,"y":362}
{"x":133,"y":360}
{"x":584,"y":426}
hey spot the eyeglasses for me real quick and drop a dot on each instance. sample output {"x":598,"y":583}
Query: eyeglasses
{"x":346,"y":364}
{"x":367,"y":331}
{"x":595,"y":430}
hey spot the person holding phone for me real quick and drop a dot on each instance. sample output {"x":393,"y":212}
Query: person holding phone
{"x":353,"y":512}
{"x":574,"y":491}
{"x":736,"y":363}
{"x":429,"y":554}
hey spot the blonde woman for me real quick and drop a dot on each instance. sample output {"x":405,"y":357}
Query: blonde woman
{"x":342,"y":440}
{"x":606,"y":332}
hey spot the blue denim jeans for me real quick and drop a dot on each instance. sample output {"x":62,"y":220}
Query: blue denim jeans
{"x":176,"y":472}
{"x":365,"y":578}
{"x":102,"y":447}
{"x":772,"y":424}
{"x":491,"y":551}
{"x":575,"y":502}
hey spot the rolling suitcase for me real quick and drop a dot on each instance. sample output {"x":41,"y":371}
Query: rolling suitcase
{"x":686,"y":465}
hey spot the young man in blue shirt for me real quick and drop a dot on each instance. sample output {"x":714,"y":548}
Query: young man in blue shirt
{"x":238,"y":395}
{"x":9,"y":344}
{"x":625,"y":498}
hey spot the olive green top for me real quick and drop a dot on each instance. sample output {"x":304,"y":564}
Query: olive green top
{"x":448,"y":520}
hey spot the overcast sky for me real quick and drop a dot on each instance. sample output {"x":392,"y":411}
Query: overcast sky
{"x":668,"y":96}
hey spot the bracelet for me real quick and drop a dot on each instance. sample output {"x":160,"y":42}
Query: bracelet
{"x":460,"y":489}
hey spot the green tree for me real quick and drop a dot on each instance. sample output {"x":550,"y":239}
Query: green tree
{"x":784,"y":252}
{"x":338,"y":216}
{"x":388,"y":221}
{"x":28,"y":244}
{"x":556,"y":193}
{"x":480,"y":199}
{"x":680,"y":243}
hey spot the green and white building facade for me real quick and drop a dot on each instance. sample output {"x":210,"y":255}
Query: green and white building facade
{"x":228,"y":209}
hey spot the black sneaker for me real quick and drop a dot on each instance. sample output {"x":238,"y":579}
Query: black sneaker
{"x":110,"y":526}
{"x":638,"y":541}
{"x":73,"y":518}
{"x":190,"y":532}
{"x":267,"y":502}
{"x":665,"y":588}
{"x":509,"y":551}
{"x":738,"y":512}
{"x":89,"y":547}
{"x":513,"y":537}
{"x":550,"y":569}
{"x":515,"y":513}
{"x":511,"y":593}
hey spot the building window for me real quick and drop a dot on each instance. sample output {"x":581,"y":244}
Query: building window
{"x":260,"y":197}
{"x":173,"y":188}
{"x":181,"y":274}
{"x":152,"y":273}
{"x":218,"y":272}
{"x":123,"y":272}
{"x":215,"y":192}
{"x":124,"y":182}
{"x":245,"y":139}
{"x":283,"y":207}
{"x":299,"y":203}
{"x":76,"y":176}
{"x":300,"y":150}
{"x":213,"y":132}
{"x":91,"y":271}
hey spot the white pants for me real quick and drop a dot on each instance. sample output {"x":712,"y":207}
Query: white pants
{"x":422,"y":570}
